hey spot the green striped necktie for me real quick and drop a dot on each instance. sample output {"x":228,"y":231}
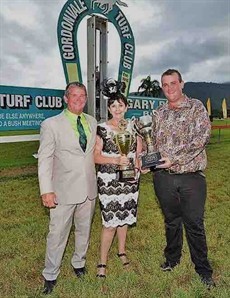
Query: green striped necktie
{"x":82,"y":135}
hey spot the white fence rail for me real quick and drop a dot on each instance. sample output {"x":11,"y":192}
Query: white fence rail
{"x":21,"y":138}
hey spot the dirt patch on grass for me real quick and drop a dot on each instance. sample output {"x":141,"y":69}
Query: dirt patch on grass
{"x":22,"y":171}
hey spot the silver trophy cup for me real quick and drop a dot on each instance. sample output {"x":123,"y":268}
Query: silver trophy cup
{"x":144,"y":127}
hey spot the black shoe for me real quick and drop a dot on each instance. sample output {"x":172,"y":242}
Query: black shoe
{"x":48,"y":286}
{"x":208,"y":281}
{"x":80,"y":271}
{"x":168,"y":266}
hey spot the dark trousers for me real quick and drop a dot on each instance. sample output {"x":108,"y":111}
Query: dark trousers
{"x":182,"y":199}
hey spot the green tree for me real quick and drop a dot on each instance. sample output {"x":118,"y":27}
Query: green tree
{"x":149,"y":88}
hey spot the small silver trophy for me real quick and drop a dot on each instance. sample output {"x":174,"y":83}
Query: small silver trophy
{"x":144,"y":127}
{"x":124,"y":139}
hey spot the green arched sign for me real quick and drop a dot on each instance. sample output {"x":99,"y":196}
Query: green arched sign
{"x":70,"y":17}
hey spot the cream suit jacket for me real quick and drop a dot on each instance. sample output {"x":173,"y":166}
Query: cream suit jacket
{"x":63,"y":167}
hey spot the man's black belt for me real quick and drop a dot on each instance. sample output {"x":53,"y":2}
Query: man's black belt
{"x":176,"y":173}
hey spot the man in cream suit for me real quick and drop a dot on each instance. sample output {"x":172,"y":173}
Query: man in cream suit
{"x":67,"y":180}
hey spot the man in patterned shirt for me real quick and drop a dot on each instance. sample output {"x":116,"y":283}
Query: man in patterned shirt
{"x":182,"y":132}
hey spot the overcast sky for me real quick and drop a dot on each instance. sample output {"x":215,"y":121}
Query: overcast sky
{"x":190,"y":35}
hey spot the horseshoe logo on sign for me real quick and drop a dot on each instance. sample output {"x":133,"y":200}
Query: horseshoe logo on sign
{"x":70,"y":17}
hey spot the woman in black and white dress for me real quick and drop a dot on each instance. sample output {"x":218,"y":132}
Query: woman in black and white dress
{"x":118,"y":200}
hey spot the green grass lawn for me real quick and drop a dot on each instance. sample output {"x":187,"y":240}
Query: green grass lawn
{"x":24,"y":226}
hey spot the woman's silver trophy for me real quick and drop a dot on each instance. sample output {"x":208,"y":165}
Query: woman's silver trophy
{"x":144,"y":126}
{"x":124,"y":140}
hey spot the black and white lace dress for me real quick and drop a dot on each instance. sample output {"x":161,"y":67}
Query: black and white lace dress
{"x":118,"y":200}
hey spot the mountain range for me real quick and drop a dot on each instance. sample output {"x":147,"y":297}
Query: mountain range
{"x":202,"y":91}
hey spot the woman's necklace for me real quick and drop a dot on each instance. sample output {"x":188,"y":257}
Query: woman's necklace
{"x":114,"y":123}
{"x":119,"y":125}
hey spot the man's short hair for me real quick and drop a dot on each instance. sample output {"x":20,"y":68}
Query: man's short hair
{"x":171,"y":71}
{"x":74,"y":84}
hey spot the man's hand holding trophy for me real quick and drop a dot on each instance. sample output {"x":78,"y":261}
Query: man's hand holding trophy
{"x":144,"y":126}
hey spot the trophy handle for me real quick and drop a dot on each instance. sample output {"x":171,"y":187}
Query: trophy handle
{"x":155,"y":113}
{"x":132,"y":118}
{"x":135,"y":127}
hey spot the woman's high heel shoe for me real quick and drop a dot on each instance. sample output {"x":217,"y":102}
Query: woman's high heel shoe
{"x":120,"y":255}
{"x":101,"y":266}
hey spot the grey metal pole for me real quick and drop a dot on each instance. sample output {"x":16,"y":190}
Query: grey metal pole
{"x":97,"y":47}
